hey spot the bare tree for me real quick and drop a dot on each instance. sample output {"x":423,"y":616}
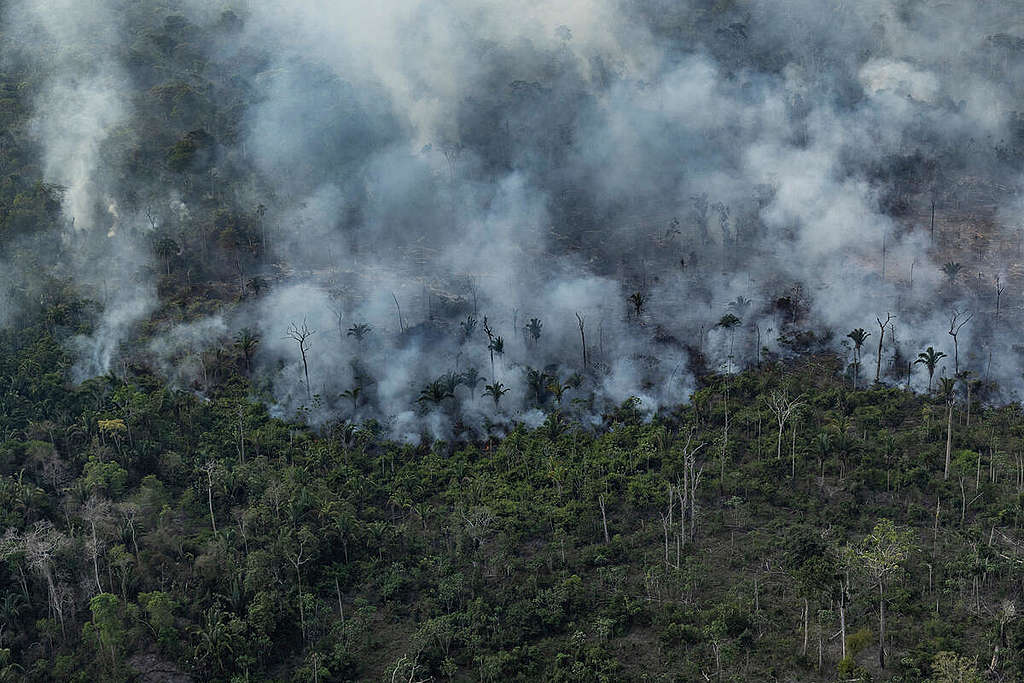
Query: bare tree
{"x":95,"y":511}
{"x":780,"y":405}
{"x":1000,"y":288}
{"x":298,"y":554}
{"x":337,"y":307}
{"x":684,"y":493}
{"x":38,"y":546}
{"x":210,"y":467}
{"x":452,"y":151}
{"x":583,"y":338}
{"x":881,"y":336}
{"x":130,"y":511}
{"x":956,"y":321}
{"x":948,"y":388}
{"x":301,"y":335}
{"x":604,"y":517}
{"x":401,"y":324}
{"x":261,"y":212}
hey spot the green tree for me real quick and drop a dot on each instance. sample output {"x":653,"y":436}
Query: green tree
{"x":948,"y":667}
{"x":246,"y":342}
{"x":434,"y":393}
{"x":930,"y":358}
{"x":859,"y":336}
{"x":495,"y":391}
{"x":160,"y":607}
{"x":107,"y":625}
{"x":881,"y":556}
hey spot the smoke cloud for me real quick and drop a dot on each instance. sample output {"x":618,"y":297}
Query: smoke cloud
{"x":637,"y":169}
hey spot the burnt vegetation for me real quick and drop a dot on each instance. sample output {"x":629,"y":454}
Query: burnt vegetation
{"x":310,"y":371}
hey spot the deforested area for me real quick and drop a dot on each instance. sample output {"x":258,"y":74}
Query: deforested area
{"x":600,"y":340}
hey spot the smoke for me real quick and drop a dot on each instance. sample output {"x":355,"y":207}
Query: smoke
{"x":80,"y":106}
{"x":637,"y":169}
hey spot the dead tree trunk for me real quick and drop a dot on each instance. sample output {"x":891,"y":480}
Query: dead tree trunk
{"x":881,"y":336}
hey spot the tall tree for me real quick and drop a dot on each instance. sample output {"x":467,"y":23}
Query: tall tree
{"x":881,"y":336}
{"x":470,"y":379}
{"x":639,"y":302}
{"x":246,"y":341}
{"x":859,"y":336}
{"x":956,"y":321}
{"x":495,"y":344}
{"x":881,"y":555}
{"x":730,"y":322}
{"x":930,"y":358}
{"x":782,"y":407}
{"x":947,"y":385}
{"x":301,"y":335}
{"x":495,"y":391}
{"x":533,"y":328}
{"x":580,"y":321}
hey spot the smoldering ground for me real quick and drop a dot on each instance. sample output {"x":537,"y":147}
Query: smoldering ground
{"x":652,"y":167}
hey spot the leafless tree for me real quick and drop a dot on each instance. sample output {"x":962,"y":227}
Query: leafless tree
{"x":210,"y":467}
{"x":301,"y":335}
{"x":583,"y":338}
{"x":881,"y":336}
{"x":956,"y":321}
{"x":96,"y":511}
{"x":684,"y":493}
{"x":1000,"y":288}
{"x":782,"y":407}
{"x":38,"y":546}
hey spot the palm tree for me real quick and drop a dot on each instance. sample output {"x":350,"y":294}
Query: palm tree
{"x":495,"y":391}
{"x":353,"y":395}
{"x":533,"y":328}
{"x":948,"y":388}
{"x":740,"y":305}
{"x":435,"y":392}
{"x":930,"y":357}
{"x":557,"y":388}
{"x":246,"y":341}
{"x":536,"y":382}
{"x":495,"y":344}
{"x":951,"y":269}
{"x":166,"y":249}
{"x":450,"y":380}
{"x":730,"y":322}
{"x":639,"y":301}
{"x":470,"y":378}
{"x":468,"y":327}
{"x":859,"y":336}
{"x":359,"y":331}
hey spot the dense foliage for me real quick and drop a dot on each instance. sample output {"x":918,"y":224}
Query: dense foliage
{"x":780,"y":526}
{"x":153,"y":531}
